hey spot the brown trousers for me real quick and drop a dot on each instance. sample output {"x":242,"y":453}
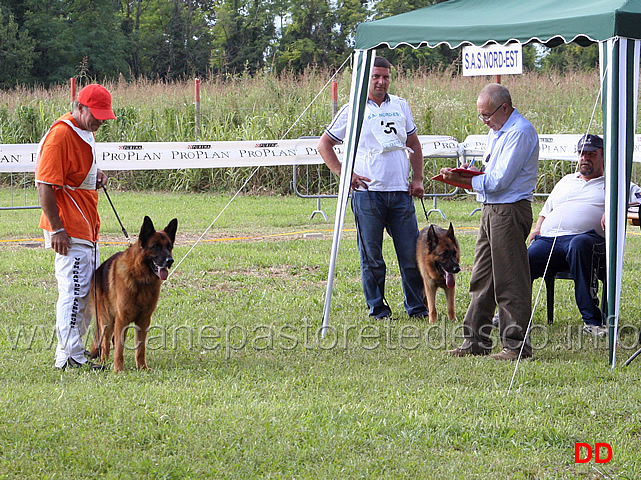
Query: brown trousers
{"x":501,"y":276}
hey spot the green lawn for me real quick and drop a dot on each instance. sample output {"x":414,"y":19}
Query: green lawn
{"x":242,"y":387}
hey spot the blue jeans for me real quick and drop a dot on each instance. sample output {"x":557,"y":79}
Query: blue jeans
{"x":375,"y":212}
{"x":577,"y":253}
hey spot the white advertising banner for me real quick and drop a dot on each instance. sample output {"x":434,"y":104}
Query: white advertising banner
{"x":176,"y":155}
{"x":551,"y":147}
{"x":493,"y":60}
{"x":253,"y":153}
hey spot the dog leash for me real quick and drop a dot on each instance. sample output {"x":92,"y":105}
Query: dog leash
{"x":124,"y":231}
{"x":427,"y":219}
{"x":98,"y":338}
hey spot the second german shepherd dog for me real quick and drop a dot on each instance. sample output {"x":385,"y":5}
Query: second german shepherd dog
{"x":438,"y":256}
{"x":126,"y":288}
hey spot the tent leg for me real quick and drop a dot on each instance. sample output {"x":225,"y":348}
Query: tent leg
{"x":629,"y":360}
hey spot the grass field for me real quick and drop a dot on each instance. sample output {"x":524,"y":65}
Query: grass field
{"x":242,"y":387}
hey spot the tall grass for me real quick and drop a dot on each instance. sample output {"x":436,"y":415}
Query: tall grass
{"x":266,"y":107}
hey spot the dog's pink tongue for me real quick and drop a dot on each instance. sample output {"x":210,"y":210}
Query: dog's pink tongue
{"x":450,"y":280}
{"x":163,"y":273}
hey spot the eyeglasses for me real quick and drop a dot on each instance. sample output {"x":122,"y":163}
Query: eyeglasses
{"x":484,"y":117}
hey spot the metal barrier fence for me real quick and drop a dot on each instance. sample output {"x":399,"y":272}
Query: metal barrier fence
{"x":318,"y":182}
{"x":20,"y":189}
{"x":558,"y":157}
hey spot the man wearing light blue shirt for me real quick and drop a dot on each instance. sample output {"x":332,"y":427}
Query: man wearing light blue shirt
{"x":501,"y":272}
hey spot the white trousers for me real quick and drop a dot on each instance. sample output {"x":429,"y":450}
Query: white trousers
{"x":73,"y":273}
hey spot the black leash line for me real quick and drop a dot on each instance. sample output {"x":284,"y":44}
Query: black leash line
{"x":104,"y":188}
{"x":98,"y":336}
{"x":427,"y":219}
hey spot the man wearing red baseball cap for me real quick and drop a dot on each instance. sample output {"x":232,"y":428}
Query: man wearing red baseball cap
{"x":98,"y":99}
{"x":67,"y":177}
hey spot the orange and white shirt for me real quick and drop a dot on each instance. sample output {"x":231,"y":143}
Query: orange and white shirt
{"x":67,"y":160}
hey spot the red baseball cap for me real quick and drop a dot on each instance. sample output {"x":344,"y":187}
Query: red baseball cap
{"x":98,"y":99}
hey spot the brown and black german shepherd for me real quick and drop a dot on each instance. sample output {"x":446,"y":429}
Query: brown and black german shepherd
{"x":438,"y":255}
{"x":127,"y":287}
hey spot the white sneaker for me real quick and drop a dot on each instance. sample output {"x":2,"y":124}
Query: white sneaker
{"x":595,"y":330}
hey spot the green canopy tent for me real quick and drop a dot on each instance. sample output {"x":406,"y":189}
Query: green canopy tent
{"x":614,"y":24}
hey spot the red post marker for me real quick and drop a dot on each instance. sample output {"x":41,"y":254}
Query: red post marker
{"x":72,"y":82}
{"x":334,"y":97}
{"x":197,"y":108}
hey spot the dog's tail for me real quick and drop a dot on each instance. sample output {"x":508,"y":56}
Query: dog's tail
{"x":92,"y":309}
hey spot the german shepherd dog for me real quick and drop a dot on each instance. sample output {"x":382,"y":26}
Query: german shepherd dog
{"x":438,"y":255}
{"x":126,"y":288}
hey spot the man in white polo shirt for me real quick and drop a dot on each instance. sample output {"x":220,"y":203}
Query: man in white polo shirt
{"x":382,"y":192}
{"x":574,"y":214}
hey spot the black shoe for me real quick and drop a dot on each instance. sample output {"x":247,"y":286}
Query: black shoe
{"x":90,"y":355}
{"x":94,"y":367}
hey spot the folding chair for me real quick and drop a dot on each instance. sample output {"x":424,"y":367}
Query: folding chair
{"x":599,"y":271}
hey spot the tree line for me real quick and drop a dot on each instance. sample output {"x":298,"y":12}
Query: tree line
{"x":45,"y":42}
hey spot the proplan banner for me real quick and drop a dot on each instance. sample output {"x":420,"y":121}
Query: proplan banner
{"x":162,"y":155}
{"x":551,"y":147}
{"x":175,"y":155}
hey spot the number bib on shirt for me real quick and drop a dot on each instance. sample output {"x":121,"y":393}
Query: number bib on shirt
{"x":387,"y":124}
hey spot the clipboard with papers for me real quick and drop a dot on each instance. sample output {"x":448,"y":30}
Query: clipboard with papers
{"x":463,"y":171}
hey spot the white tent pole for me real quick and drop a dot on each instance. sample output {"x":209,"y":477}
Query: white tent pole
{"x":361,"y":72}
{"x":619,"y":59}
